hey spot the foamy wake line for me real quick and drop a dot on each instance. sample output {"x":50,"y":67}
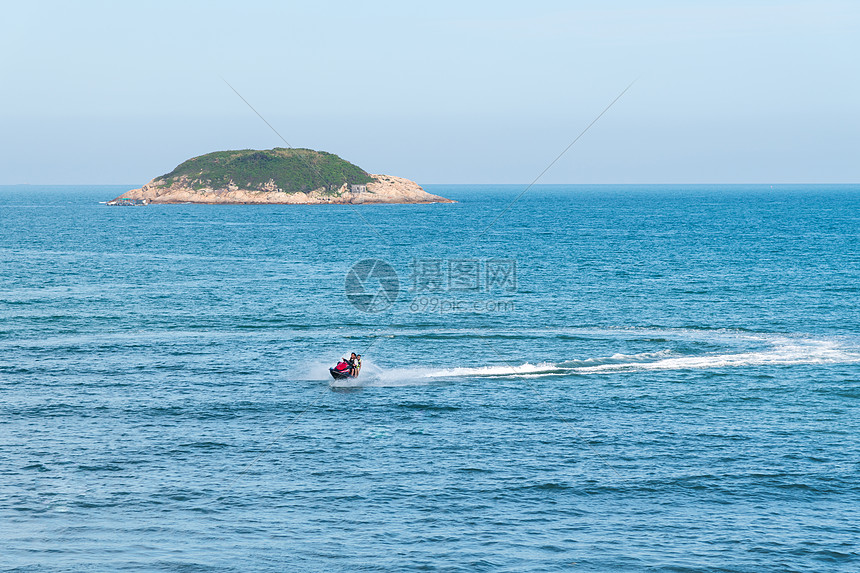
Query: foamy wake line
{"x":771,"y":351}
{"x":783,"y":352}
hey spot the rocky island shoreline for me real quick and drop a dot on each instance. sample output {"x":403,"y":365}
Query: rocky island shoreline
{"x":275,"y":176}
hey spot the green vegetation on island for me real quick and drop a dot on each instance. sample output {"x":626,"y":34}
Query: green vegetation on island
{"x":291,"y":171}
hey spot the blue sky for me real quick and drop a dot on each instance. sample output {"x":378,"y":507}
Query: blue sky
{"x":442,"y":92}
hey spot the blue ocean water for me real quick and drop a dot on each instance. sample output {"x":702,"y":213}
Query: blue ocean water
{"x":610,"y":378}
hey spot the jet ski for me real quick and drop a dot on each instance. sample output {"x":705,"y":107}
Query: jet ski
{"x":341,"y":371}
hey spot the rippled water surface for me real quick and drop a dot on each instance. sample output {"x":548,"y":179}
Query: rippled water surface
{"x":670,"y":383}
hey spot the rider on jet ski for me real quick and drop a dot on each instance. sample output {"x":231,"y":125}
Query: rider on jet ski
{"x":353,"y":365}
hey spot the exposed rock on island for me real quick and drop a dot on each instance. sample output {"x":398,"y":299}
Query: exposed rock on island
{"x":276,"y":176}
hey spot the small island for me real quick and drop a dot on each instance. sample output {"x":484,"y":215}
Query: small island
{"x":275,"y":176}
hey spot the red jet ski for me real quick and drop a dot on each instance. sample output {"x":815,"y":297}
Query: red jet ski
{"x":341,"y":370}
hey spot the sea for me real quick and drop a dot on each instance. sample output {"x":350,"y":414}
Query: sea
{"x":561,"y":378}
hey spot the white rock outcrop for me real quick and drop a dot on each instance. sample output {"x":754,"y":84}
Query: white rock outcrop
{"x":383,"y":189}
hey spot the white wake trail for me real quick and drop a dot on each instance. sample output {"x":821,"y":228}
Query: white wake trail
{"x":784,"y":353}
{"x":782,"y":350}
